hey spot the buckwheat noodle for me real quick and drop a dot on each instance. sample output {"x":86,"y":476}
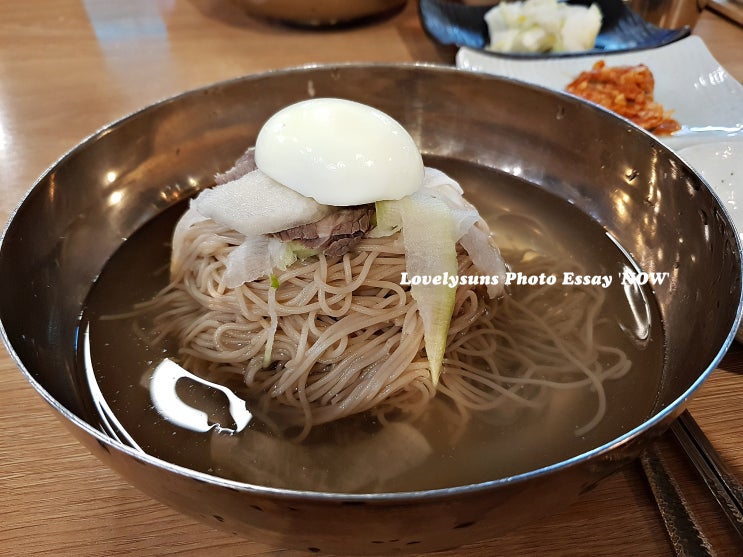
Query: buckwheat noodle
{"x":345,"y":337}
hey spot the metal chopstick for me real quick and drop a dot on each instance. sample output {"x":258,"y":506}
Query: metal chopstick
{"x":683,"y":528}
{"x":720,"y":480}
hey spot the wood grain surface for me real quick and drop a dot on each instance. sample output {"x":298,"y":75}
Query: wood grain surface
{"x":69,"y":67}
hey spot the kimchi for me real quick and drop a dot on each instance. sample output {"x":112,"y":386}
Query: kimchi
{"x":628,"y":91}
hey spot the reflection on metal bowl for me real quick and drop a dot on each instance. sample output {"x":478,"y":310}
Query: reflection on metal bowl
{"x":639,"y":191}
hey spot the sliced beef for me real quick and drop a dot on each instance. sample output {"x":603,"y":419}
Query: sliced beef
{"x":243,"y":165}
{"x":334,"y":234}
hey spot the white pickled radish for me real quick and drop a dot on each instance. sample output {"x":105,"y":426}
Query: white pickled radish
{"x":256,"y":204}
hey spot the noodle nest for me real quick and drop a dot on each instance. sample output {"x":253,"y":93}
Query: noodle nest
{"x":340,"y":336}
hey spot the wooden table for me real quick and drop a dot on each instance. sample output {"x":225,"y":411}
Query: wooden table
{"x":69,"y":67}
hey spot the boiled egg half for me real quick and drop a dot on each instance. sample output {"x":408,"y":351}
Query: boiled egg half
{"x":339,"y":152}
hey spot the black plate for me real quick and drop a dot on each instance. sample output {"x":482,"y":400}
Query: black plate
{"x":451,"y":23}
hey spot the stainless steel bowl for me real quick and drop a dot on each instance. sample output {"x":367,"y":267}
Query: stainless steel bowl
{"x":319,"y":12}
{"x":660,"y":211}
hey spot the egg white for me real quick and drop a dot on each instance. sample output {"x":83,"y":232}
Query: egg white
{"x":339,"y":152}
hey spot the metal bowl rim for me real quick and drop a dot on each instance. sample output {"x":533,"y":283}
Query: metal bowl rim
{"x":670,"y":411}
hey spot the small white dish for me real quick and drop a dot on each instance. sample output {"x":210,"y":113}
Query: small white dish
{"x":705,"y":99}
{"x":721,"y":165}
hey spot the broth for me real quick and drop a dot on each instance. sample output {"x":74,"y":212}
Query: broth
{"x":355,"y":454}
